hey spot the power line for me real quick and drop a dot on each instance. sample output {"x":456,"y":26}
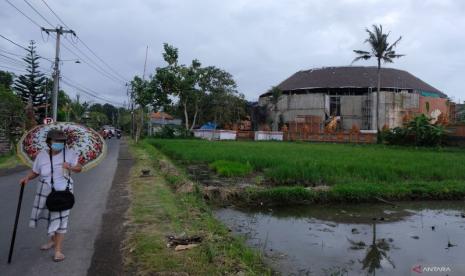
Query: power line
{"x":83,"y":43}
{"x":25,"y":15}
{"x":11,"y":63}
{"x":90,"y":65}
{"x":113,"y":77}
{"x":12,"y":68}
{"x":18,"y":61}
{"x":37,"y":24}
{"x":10,"y":53}
{"x":11,"y":41}
{"x":101,"y":71}
{"x":84,"y":90}
{"x":56,"y":15}
{"x":34,"y":9}
{"x":90,"y":50}
{"x":21,"y":56}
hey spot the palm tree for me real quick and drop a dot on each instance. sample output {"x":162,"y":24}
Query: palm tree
{"x":383,"y":51}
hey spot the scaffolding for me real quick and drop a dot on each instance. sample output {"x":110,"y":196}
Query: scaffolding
{"x":366,"y":111}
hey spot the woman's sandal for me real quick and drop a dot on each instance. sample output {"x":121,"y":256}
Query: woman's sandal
{"x":58,"y":257}
{"x":47,"y":246}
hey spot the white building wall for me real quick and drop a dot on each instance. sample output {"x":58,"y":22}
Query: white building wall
{"x":392,"y":107}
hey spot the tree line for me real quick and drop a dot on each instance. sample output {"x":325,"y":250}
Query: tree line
{"x":194,"y":93}
{"x":197,"y":94}
{"x":26,"y":101}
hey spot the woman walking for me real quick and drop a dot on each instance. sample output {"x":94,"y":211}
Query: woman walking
{"x":54,"y":167}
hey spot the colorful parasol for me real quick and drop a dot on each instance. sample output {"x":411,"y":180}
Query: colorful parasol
{"x":83,"y":140}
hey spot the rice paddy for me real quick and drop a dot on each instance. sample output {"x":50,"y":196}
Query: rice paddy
{"x":354,"y":172}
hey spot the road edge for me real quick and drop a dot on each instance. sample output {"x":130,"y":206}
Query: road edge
{"x":107,"y":258}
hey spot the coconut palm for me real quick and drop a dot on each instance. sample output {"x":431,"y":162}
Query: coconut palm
{"x":383,"y":51}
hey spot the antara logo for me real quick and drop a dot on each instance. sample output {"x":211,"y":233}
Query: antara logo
{"x":417,"y":269}
{"x":420,"y":269}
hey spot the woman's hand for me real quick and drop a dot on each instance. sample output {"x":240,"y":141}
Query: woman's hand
{"x":29,"y":176}
{"x":75,"y":169}
{"x":24,"y":180}
{"x":67,"y":166}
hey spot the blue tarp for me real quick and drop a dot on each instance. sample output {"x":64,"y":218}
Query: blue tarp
{"x":209,"y":125}
{"x":429,"y":94}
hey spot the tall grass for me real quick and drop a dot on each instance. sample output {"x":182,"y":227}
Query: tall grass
{"x":331,"y":164}
{"x":231,"y":168}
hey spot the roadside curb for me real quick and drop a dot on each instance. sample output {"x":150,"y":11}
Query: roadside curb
{"x":107,"y":258}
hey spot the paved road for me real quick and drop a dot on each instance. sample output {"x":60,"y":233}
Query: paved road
{"x":91,"y":190}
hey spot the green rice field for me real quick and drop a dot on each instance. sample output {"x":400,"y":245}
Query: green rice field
{"x":355,"y":172}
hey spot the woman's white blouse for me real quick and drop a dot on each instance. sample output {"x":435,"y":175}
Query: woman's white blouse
{"x":41,"y":166}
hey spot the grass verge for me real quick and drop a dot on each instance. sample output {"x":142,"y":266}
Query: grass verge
{"x":157,"y":211}
{"x":8,"y":161}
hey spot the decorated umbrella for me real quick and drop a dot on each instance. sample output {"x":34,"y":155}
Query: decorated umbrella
{"x":83,"y":140}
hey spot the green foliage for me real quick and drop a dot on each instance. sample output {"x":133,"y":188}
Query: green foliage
{"x":419,"y":132}
{"x":97,"y":120}
{"x":30,"y":86}
{"x":231,"y":168}
{"x":169,"y":132}
{"x":12,"y":116}
{"x":202,"y":93}
{"x":6,"y":79}
{"x":382,"y":51}
{"x":283,"y":195}
{"x":357,"y":192}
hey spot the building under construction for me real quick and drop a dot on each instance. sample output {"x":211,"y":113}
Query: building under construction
{"x":349,"y":94}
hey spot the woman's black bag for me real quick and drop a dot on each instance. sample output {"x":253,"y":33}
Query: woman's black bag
{"x":59,"y":200}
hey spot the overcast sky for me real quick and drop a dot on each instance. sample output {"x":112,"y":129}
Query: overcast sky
{"x":259,"y":42}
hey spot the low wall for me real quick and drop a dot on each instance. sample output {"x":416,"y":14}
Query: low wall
{"x":268,"y":135}
{"x":245,"y":135}
{"x":340,"y":137}
{"x":457,"y":130}
{"x":211,"y":134}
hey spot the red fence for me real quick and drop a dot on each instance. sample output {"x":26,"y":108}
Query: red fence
{"x":339,"y":137}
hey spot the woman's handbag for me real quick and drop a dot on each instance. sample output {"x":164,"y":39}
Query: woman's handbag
{"x":59,"y":200}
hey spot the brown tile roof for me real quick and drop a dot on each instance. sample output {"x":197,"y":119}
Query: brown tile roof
{"x":355,"y":76}
{"x":161,"y":115}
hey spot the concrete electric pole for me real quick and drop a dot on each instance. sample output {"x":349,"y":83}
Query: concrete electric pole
{"x":56,"y":75}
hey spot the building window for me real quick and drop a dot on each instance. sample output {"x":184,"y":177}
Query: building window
{"x":335,"y":106}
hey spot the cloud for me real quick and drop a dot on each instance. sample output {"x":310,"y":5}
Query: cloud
{"x":260,"y":42}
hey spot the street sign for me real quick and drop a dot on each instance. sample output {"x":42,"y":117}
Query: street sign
{"x":48,"y":121}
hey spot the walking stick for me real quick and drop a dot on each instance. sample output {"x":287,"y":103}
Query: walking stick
{"x":18,"y":210}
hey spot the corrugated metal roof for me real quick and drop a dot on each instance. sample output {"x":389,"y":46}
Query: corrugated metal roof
{"x":355,"y":76}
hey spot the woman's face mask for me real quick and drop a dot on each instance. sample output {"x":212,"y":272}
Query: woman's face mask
{"x":56,"y":146}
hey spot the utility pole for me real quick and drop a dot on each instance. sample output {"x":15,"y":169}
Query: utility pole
{"x":46,"y":97}
{"x":142,"y":109}
{"x":131,"y":103}
{"x":56,"y":74}
{"x":145,"y":62}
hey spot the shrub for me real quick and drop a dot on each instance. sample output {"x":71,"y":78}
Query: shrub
{"x":419,"y":132}
{"x":171,"y":132}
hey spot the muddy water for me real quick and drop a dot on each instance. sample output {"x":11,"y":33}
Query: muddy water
{"x":356,"y":239}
